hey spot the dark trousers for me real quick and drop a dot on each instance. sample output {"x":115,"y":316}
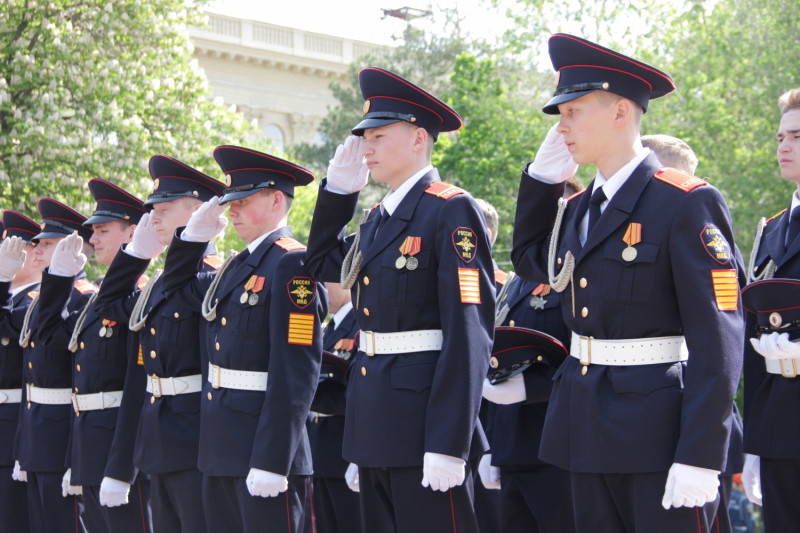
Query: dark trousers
{"x":332,"y":507}
{"x":176,"y":499}
{"x":487,"y":503}
{"x":393,"y":500}
{"x":231,"y":509}
{"x":780,"y":488}
{"x":48,"y":510}
{"x":631,"y":503}
{"x":13,"y":503}
{"x":133,"y":517}
{"x":723,"y":519}
{"x":536,"y":499}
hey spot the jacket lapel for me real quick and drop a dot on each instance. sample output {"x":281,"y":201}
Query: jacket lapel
{"x":572,"y":237}
{"x":242,"y":271}
{"x":15,"y":301}
{"x":776,"y":239}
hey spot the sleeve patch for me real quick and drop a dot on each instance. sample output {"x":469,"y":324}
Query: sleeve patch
{"x":289,"y":244}
{"x":469,"y":284}
{"x":33,"y":294}
{"x":726,"y":289}
{"x":500,"y":277}
{"x":681,"y":180}
{"x":301,"y":291}
{"x":142,"y":282}
{"x":213,"y":261}
{"x":443,"y":190}
{"x":301,"y":329}
{"x":715,"y":244}
{"x":139,"y":360}
{"x":465,"y":242}
{"x":83,"y":286}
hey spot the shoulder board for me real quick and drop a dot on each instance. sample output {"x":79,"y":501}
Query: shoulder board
{"x":143,"y":279}
{"x":500,"y":277}
{"x":289,"y":244}
{"x":576,"y":195}
{"x":681,"y":180}
{"x":83,"y":286}
{"x":32,"y":294}
{"x":213,"y":261}
{"x":776,"y":215}
{"x":443,"y":190}
{"x":374,"y":206}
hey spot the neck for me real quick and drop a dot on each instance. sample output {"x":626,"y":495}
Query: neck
{"x":618,"y":157}
{"x":269,"y":228}
{"x":407,"y":174}
{"x":25,"y":277}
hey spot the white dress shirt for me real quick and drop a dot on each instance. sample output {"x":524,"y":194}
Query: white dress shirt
{"x":254,"y":244}
{"x":18,"y":290}
{"x":339,"y":315}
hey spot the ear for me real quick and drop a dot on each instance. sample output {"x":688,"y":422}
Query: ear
{"x":277,"y":200}
{"x":420,"y":139}
{"x":624,"y":109}
{"x":131,"y":229}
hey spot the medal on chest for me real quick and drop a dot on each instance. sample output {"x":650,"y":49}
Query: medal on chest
{"x":410,"y":247}
{"x":254,"y":284}
{"x":633,"y":236}
{"x":107,"y":330}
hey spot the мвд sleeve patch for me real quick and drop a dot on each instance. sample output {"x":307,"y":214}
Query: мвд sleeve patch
{"x":726,"y":289}
{"x":301,"y":291}
{"x":469,"y":284}
{"x":715,"y":244}
{"x":465,"y":242}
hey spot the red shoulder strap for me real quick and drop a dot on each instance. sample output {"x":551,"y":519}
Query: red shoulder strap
{"x":213,"y":261}
{"x":289,"y":244}
{"x":143,"y":279}
{"x":681,"y":180}
{"x":83,"y":286}
{"x":443,"y":190}
{"x":500,"y":277}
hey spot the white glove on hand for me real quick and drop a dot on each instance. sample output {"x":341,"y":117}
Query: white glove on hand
{"x":442,"y":472}
{"x":113,"y":492}
{"x":553,"y":162}
{"x":751,"y":478}
{"x":510,"y":391}
{"x":690,"y":486}
{"x":145,"y":243}
{"x":490,"y":475}
{"x":776,"y":346}
{"x":351,"y":477}
{"x":206,"y":223}
{"x":68,"y":258}
{"x":347,"y":171}
{"x":12,"y":257}
{"x":266,"y":484}
{"x":19,"y":475}
{"x":66,"y":488}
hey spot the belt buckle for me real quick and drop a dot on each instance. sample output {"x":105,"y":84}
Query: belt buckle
{"x":216,"y":376}
{"x":587,"y":360}
{"x":787,"y":370}
{"x":369,"y":348}
{"x":75,"y":404}
{"x":155,"y":386}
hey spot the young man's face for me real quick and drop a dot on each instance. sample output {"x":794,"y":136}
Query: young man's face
{"x":789,"y":146}
{"x":586,"y":123}
{"x":253,"y":215}
{"x":389,"y":151}
{"x":169,"y":216}
{"x":43,"y":253}
{"x":107,"y":239}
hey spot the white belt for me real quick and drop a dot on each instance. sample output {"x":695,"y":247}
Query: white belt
{"x":159,"y":387}
{"x":319,"y":415}
{"x":96,"y":402}
{"x":783,"y":367}
{"x":48,"y":396}
{"x":422,"y":340}
{"x":10,"y":396}
{"x":629,"y":352}
{"x":236,"y":379}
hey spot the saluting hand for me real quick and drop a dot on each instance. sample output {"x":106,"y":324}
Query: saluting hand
{"x":553,"y":162}
{"x":347,"y":171}
{"x":145,"y":243}
{"x":68,"y":258}
{"x":12,"y":257}
{"x":206,"y":223}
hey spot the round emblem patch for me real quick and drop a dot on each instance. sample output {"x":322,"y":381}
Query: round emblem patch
{"x":465,"y":242}
{"x":301,"y":291}
{"x":715,"y":244}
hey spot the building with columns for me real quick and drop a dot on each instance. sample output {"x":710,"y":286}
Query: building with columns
{"x":276,"y":74}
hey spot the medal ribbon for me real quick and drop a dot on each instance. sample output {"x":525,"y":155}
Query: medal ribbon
{"x":250,"y":282}
{"x":411,"y":246}
{"x":259,"y":284}
{"x":633,"y":235}
{"x":107,"y":322}
{"x":543,"y":289}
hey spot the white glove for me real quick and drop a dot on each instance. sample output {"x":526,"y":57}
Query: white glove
{"x":66,"y":488}
{"x":12,"y":257}
{"x":145,"y":243}
{"x":347,"y":171}
{"x":266,"y":484}
{"x":510,"y":391}
{"x":351,"y":476}
{"x":751,"y":478}
{"x":206,"y":223}
{"x":490,"y":475}
{"x":113,"y":492}
{"x":690,"y":486}
{"x":776,"y":346}
{"x":442,"y":472}
{"x":68,"y":258}
{"x":553,"y":162}
{"x":19,"y":475}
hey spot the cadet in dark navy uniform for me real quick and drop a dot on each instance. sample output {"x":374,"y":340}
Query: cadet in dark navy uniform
{"x":166,"y":376}
{"x":263,"y":313}
{"x":772,"y":353}
{"x":422,"y":283}
{"x":333,"y":506}
{"x":44,"y":431}
{"x":644,"y":264}
{"x":115,"y":499}
{"x":535,"y":496}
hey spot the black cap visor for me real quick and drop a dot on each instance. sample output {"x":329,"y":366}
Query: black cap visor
{"x":158,"y":198}
{"x":552,"y":106}
{"x":369,"y":123}
{"x":48,"y":235}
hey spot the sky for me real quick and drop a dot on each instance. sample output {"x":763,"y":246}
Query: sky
{"x":362,"y":19}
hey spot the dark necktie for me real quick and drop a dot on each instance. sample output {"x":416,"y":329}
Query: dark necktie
{"x":794,"y":227}
{"x":384,"y":217}
{"x":598,"y":197}
{"x":242,"y":257}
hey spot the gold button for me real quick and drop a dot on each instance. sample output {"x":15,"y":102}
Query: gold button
{"x":539,"y":358}
{"x":82,"y":345}
{"x":33,"y":345}
{"x":366,"y":280}
{"x":512,"y":323}
{"x":79,"y":368}
{"x":30,"y":365}
{"x":366,"y":311}
{"x":177,"y":315}
{"x":584,"y":370}
{"x":217,"y":346}
{"x":363,"y":371}
{"x":76,"y":390}
{"x":584,"y":283}
{"x":559,"y":260}
{"x":224,"y":321}
{"x":152,"y":399}
{"x":584,"y":312}
{"x":152,"y":331}
{"x":152,"y":354}
{"x":209,"y":396}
